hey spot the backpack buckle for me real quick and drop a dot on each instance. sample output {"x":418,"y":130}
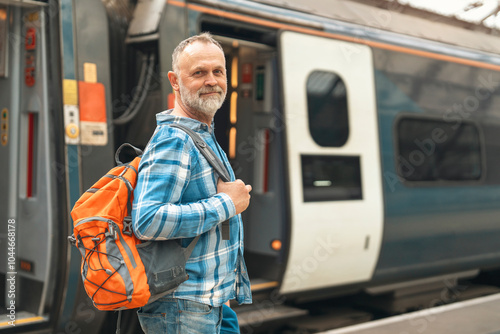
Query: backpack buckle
{"x":127,"y":226}
{"x":72,"y":239}
{"x":111,"y":231}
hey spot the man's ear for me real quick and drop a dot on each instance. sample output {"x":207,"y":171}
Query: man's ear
{"x":174,"y":81}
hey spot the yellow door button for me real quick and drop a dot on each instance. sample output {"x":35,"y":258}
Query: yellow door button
{"x":72,"y":131}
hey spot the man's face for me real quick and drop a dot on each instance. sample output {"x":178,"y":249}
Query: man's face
{"x":202,"y":78}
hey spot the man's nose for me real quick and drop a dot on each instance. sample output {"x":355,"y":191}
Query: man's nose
{"x":210,"y":80}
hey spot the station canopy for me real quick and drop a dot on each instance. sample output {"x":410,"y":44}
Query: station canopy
{"x":467,"y":23}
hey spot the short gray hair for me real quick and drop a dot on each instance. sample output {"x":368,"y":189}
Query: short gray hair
{"x":205,"y":37}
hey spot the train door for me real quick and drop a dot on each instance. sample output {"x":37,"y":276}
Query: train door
{"x":248,"y":128}
{"x":335,"y":193}
{"x":28,"y":208}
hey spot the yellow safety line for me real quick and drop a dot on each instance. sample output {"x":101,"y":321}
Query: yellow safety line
{"x":22,"y":321}
{"x":262,"y":286}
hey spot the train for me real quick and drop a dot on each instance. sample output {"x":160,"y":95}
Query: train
{"x":370,"y":135}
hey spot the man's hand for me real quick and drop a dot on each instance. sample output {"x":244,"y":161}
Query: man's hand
{"x":238,"y":191}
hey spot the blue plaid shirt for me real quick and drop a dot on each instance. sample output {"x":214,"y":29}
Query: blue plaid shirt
{"x":176,"y":197}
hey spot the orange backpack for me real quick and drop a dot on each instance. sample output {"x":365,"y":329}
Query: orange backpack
{"x":119,"y":271}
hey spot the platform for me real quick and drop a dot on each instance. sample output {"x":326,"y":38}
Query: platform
{"x":475,"y":316}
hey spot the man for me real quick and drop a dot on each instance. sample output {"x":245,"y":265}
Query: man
{"x":179,"y":196}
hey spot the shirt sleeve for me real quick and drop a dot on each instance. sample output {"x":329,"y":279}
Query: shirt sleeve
{"x":164,"y":174}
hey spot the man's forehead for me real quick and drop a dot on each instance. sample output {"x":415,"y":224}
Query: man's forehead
{"x":199,"y":51}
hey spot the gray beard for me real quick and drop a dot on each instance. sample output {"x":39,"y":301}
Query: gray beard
{"x":207,"y":106}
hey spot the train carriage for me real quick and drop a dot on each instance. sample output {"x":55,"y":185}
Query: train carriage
{"x":370,"y":137}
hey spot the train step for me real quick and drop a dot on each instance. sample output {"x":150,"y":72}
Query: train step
{"x":259,"y":313}
{"x":329,"y":319}
{"x":402,"y":302}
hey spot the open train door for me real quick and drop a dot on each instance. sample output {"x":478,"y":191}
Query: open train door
{"x":334,"y":177}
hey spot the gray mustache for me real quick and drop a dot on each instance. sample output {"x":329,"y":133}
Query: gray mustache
{"x":210,"y":90}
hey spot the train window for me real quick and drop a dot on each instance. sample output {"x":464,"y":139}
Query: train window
{"x":327,"y":109}
{"x":331,"y":178}
{"x":436,"y":150}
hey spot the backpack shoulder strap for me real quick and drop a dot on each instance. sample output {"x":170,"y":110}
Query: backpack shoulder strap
{"x":219,"y":167}
{"x":207,"y":152}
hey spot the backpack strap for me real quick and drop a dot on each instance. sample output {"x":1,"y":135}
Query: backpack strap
{"x":189,"y":249}
{"x":127,"y":221}
{"x":215,"y":162}
{"x":118,"y":151}
{"x":207,"y":152}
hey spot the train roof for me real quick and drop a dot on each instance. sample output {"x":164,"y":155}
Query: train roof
{"x":388,"y":16}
